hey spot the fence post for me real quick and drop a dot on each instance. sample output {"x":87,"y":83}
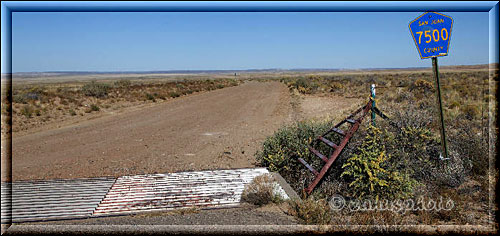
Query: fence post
{"x":372,"y":89}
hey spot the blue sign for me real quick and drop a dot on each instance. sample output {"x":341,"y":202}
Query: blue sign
{"x":432,"y":33}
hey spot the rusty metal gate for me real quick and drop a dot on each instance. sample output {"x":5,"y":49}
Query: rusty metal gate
{"x":337,"y":148}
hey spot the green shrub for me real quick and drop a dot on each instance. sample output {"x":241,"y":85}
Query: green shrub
{"x":150,"y":96}
{"x":94,"y":107}
{"x":174,"y":94}
{"x":305,"y":85}
{"x":36,"y":90}
{"x":334,"y":86}
{"x":20,"y":98}
{"x":94,"y":89}
{"x":371,"y":173}
{"x":122,"y":83}
{"x":417,"y":147}
{"x":281,"y":150}
{"x":27,"y":111}
{"x":280,"y":153}
{"x":415,"y":150}
{"x":25,"y":97}
{"x":233,"y":82}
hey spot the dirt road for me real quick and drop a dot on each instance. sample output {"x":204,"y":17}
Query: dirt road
{"x":212,"y":130}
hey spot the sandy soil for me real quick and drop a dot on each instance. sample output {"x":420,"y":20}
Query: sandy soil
{"x":325,"y":107}
{"x":218,"y":129}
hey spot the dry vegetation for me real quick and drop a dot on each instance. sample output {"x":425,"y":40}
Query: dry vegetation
{"x":35,"y":105}
{"x":261,"y":191}
{"x":410,"y":151}
{"x":395,"y":162}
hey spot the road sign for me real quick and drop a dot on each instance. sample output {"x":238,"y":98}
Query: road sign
{"x":432,"y":33}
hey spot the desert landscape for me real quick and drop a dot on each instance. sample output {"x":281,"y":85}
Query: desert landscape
{"x":80,"y":126}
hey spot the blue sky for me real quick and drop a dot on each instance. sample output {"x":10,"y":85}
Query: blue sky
{"x":121,"y":41}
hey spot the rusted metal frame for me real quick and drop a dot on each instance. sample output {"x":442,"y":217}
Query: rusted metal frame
{"x":338,"y":131}
{"x":318,"y":154}
{"x":343,"y":121}
{"x":315,"y":172}
{"x":329,"y":143}
{"x":351,"y":115}
{"x":338,"y":150}
{"x":350,"y":121}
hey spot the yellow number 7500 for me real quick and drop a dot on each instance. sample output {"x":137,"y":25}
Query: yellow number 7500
{"x":427,"y":34}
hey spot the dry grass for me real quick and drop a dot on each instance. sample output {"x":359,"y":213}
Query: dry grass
{"x":38,"y":104}
{"x":260,"y":191}
{"x":311,"y":211}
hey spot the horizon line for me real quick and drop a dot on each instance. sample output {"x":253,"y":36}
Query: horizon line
{"x":236,"y":70}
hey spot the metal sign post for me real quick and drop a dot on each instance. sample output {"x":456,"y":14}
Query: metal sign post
{"x":431,"y":33}
{"x":438,"y":93}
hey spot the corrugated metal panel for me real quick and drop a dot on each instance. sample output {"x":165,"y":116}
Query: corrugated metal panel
{"x":52,"y":199}
{"x":83,"y":198}
{"x":133,"y":194}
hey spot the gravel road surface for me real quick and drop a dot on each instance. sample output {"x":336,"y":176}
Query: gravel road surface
{"x":213,"y":130}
